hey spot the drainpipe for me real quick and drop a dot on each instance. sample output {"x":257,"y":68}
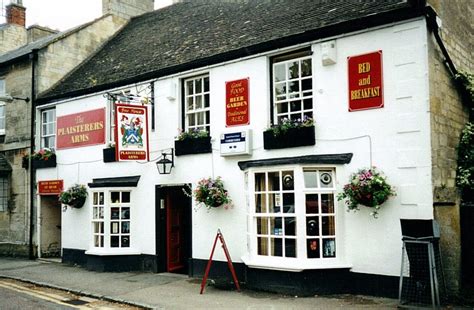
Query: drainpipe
{"x":33,"y":58}
{"x":433,"y":26}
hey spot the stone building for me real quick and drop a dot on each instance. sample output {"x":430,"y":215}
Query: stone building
{"x":31,"y":61}
{"x":290,"y":59}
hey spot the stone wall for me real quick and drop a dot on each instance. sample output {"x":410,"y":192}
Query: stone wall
{"x":63,"y":55}
{"x":11,"y":37}
{"x":127,"y":8}
{"x":448,"y":117}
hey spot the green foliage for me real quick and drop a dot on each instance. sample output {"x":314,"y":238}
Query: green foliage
{"x":43,"y":154}
{"x":192,"y":134}
{"x":73,"y":194}
{"x":467,"y":80}
{"x":367,"y":187}
{"x":465,"y":171}
{"x":211,"y":193}
{"x":287,"y":124}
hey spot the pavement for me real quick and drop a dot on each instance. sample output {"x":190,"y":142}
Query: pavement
{"x":169,"y":291}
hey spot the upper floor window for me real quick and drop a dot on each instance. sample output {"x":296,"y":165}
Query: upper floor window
{"x":292,"y":86}
{"x":48,"y":128}
{"x":293,"y":213}
{"x":197,"y":115}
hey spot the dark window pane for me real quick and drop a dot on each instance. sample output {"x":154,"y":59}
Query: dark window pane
{"x":277,"y":245}
{"x":114,"y":241}
{"x":126,"y":197}
{"x":198,"y":86}
{"x":189,"y":87}
{"x":328,"y":225}
{"x":295,"y":106}
{"x":276,"y":226}
{"x":308,"y":103}
{"x":288,"y":203}
{"x":312,"y":226}
{"x":125,"y":241}
{"x":293,"y":70}
{"x":206,"y":101}
{"x":312,"y":248}
{"x":290,"y":247}
{"x":260,"y":203}
{"x":312,"y":206}
{"x":115,"y":197}
{"x":206,"y":84}
{"x":125,"y":227}
{"x":306,"y":67}
{"x":290,"y":226}
{"x":273,"y":181}
{"x":125,"y":214}
{"x":287,"y":179}
{"x":329,"y":247}
{"x":274,"y":201}
{"x":259,"y":182}
{"x":294,"y":88}
{"x":327,"y":203}
{"x":114,"y":213}
{"x":282,"y":107}
{"x":306,"y":84}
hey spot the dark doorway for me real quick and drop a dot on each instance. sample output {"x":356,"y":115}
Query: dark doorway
{"x":173,"y":229}
{"x":50,"y":227}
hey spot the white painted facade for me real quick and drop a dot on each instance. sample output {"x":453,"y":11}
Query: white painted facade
{"x":396,"y":138}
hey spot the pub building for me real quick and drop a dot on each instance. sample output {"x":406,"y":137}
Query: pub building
{"x":359,"y":78}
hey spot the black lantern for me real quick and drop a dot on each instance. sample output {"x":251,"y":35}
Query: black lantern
{"x":164,"y":164}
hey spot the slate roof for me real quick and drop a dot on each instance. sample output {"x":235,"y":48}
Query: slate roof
{"x":194,"y":34}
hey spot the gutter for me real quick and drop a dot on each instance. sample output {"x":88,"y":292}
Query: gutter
{"x":415,"y":10}
{"x":33,"y":58}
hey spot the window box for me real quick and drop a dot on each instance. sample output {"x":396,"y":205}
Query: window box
{"x":192,"y":146}
{"x":109,"y":155}
{"x":40,"y":163}
{"x":293,"y":137}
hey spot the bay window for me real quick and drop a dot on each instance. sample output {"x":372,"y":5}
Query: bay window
{"x":292,"y":215}
{"x":111,"y":218}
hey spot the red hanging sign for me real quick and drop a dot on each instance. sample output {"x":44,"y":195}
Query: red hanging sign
{"x":365,"y":81}
{"x":50,"y":187}
{"x":80,"y":129}
{"x":237,"y":103}
{"x":131,"y":132}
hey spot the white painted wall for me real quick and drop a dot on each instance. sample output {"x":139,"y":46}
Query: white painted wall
{"x":399,"y":135}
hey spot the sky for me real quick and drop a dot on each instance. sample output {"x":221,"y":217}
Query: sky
{"x":65,"y":14}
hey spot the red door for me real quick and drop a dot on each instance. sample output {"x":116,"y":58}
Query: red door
{"x":175,"y":231}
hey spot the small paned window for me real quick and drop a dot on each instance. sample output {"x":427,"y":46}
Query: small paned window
{"x":294,"y":219}
{"x":197,"y":116}
{"x":48,"y":128}
{"x":4,"y":188}
{"x":111,"y":219}
{"x":292,"y":87}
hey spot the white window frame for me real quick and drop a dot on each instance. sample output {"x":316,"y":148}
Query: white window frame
{"x":191,"y":107}
{"x":48,"y":135}
{"x":4,"y":193}
{"x":301,"y":261}
{"x":100,"y":241}
{"x":291,"y":99}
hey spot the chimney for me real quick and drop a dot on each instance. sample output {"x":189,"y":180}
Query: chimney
{"x":127,"y":8}
{"x":16,"y":13}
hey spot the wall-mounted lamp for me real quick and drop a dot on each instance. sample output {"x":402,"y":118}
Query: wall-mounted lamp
{"x":8,"y":98}
{"x":164,"y":164}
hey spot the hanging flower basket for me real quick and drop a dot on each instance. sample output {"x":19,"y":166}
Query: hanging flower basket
{"x":368,"y":187}
{"x":75,"y":196}
{"x":211,"y":193}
